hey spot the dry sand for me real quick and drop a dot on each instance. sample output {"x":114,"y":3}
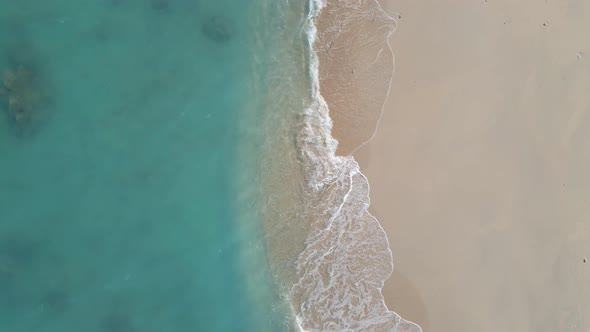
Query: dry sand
{"x":479,"y":171}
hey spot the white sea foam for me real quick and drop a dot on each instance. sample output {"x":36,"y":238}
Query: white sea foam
{"x":346,"y":259}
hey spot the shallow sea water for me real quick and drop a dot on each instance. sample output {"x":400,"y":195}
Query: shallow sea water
{"x":118,"y":203}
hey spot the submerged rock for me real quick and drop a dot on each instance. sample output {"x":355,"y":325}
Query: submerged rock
{"x":117,"y":322}
{"x":16,"y":254}
{"x":160,"y":5}
{"x":18,"y":250}
{"x":7,"y":270}
{"x":217,"y":29}
{"x":56,"y":300}
{"x":20,"y":93}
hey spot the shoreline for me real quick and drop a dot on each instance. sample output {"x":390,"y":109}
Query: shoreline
{"x":356,"y":70}
{"x":477,"y":167}
{"x":368,"y":245}
{"x":329,"y":255}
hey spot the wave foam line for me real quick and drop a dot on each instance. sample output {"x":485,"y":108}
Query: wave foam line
{"x":347,"y":256}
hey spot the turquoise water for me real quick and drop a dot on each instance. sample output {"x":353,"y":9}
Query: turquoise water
{"x":118,"y":164}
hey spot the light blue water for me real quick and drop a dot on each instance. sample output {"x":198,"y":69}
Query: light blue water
{"x":117,"y":191}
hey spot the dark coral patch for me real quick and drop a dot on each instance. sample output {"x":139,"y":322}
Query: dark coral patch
{"x":217,"y":29}
{"x":18,"y":251}
{"x":20,"y":92}
{"x":117,"y":322}
{"x":56,"y":300}
{"x":161,"y":5}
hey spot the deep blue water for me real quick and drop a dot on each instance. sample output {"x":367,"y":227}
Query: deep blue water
{"x":118,"y":139}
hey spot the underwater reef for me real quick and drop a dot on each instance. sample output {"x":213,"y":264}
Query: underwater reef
{"x":217,"y":29}
{"x":117,"y":322}
{"x":20,"y":95}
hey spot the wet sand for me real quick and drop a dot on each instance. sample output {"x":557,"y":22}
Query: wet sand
{"x":479,"y":168}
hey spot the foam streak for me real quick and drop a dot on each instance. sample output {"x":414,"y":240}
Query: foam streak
{"x":347,"y":257}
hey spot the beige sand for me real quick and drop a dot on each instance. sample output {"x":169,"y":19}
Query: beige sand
{"x":480,"y":168}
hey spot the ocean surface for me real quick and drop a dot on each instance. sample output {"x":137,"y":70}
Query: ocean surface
{"x":168,"y":165}
{"x":121,"y":207}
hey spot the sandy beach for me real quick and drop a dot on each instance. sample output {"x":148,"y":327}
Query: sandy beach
{"x":479,"y":167}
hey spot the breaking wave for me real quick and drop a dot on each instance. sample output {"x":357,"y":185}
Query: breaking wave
{"x":329,"y":256}
{"x":346,"y":256}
